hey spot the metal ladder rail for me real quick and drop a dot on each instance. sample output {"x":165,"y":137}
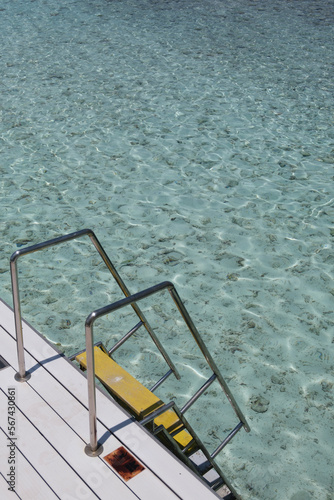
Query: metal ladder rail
{"x":184,"y":313}
{"x":22,"y":375}
{"x":194,"y":398}
{"x":93,"y":447}
{"x":125,"y":337}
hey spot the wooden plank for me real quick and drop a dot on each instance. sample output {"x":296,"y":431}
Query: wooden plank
{"x":27,"y":483}
{"x":4,"y":493}
{"x":55,"y":450}
{"x":76,"y":415}
{"x":43,"y":458}
{"x":7,"y":317}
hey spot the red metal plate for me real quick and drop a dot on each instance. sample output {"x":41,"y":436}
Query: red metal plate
{"x":124,"y":463}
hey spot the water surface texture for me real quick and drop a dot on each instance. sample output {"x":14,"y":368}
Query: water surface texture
{"x":196,"y":139}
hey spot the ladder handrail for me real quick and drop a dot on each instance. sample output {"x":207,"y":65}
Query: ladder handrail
{"x":98,"y":313}
{"x":23,"y":375}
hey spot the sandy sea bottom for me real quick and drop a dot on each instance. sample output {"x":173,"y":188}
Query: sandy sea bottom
{"x":196,"y":139}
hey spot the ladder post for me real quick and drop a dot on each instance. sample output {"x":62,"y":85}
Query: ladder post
{"x":21,"y":375}
{"x":93,"y":449}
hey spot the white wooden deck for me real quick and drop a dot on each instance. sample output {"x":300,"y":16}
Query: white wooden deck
{"x":52,"y":429}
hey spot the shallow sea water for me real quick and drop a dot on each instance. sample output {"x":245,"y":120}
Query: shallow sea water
{"x":196,"y":139}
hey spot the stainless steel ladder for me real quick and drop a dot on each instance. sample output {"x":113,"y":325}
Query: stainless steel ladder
{"x":206,"y":462}
{"x":201,"y":465}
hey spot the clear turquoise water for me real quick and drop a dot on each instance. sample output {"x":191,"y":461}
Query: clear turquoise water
{"x":196,"y":139}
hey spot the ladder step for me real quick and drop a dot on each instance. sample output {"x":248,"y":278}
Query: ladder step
{"x":136,"y":397}
{"x":172,"y":424}
{"x":203,"y":465}
{"x":187,"y":450}
{"x":204,"y":468}
{"x":218,"y":483}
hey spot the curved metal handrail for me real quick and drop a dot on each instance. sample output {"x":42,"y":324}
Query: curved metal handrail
{"x":23,"y":375}
{"x":98,"y":313}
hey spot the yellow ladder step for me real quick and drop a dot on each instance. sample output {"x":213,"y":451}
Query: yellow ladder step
{"x":140,"y":400}
{"x":171,"y":422}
